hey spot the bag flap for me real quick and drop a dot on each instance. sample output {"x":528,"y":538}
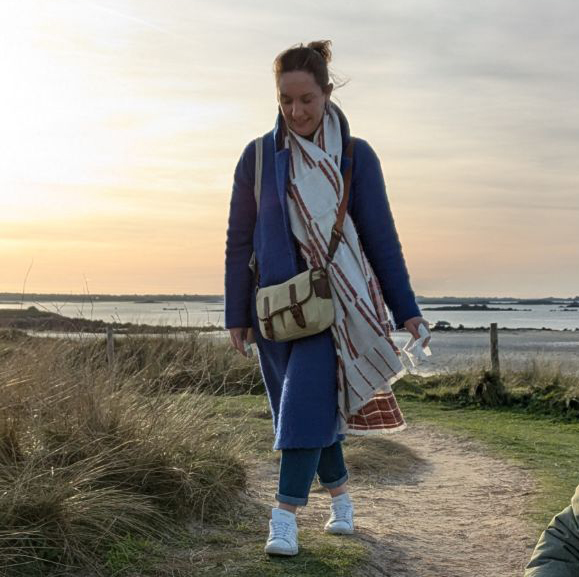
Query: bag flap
{"x":279,"y":294}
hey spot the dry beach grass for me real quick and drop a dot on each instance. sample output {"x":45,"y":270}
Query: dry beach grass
{"x":87,"y":457}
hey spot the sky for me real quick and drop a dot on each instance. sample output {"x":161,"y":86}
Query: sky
{"x":121,"y":122}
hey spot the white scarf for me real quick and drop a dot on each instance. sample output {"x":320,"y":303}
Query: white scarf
{"x":366,"y":355}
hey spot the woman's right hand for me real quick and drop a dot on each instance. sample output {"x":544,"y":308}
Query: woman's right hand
{"x":238,"y":337}
{"x":411,"y":325}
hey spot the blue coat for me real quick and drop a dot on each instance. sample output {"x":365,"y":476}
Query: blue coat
{"x":300,"y":375}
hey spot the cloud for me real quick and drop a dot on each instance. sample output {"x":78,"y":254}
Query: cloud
{"x":473,"y":108}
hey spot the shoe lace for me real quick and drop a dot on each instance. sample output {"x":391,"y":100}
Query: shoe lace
{"x":340,"y":511}
{"x":280,"y":529}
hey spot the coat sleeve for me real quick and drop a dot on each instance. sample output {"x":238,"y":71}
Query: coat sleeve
{"x":374,"y":223}
{"x":557,"y":552}
{"x":239,"y":243}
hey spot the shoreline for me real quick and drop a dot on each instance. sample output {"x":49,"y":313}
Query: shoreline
{"x":138,"y":329}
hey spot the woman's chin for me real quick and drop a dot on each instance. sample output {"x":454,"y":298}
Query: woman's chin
{"x":305,"y":130}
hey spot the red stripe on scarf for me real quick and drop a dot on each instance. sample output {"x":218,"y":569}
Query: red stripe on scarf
{"x":377,"y":329}
{"x":301,"y":204}
{"x":342,"y":374}
{"x":339,"y":270}
{"x":372,"y":315}
{"x":382,"y":357}
{"x":307,"y":158}
{"x":375,"y":367}
{"x":338,"y":282}
{"x":350,"y":340}
{"x":330,"y":175}
{"x":351,"y":352}
{"x":363,"y":376}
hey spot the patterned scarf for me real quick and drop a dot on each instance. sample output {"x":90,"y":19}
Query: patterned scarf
{"x":367,"y":358}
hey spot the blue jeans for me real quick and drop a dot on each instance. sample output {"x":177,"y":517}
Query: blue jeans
{"x":298,"y":467}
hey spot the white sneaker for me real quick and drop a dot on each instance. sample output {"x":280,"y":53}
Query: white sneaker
{"x":283,"y":533}
{"x":341,"y":520}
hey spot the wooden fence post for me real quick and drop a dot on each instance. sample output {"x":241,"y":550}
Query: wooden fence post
{"x":110,"y":347}
{"x":495,"y":350}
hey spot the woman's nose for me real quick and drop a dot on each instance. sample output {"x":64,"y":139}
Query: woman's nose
{"x":296,"y":111}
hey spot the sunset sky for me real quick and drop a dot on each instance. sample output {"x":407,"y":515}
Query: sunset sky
{"x":121,"y":123}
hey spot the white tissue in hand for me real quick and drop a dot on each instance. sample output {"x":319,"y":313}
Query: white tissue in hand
{"x":414,"y":350}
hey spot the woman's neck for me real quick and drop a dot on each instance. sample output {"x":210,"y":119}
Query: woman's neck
{"x":310,"y":137}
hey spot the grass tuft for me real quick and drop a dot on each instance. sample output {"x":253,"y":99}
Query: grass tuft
{"x":89,"y":456}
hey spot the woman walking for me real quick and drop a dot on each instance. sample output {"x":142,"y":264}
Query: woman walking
{"x":338,"y":381}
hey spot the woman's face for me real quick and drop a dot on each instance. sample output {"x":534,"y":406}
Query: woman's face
{"x":302,"y":101}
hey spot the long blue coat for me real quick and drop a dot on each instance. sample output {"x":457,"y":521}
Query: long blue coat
{"x":300,"y":375}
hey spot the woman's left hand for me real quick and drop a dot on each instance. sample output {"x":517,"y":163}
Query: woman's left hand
{"x":411,"y":325}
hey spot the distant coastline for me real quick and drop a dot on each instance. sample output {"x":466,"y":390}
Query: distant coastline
{"x":471,"y":308}
{"x":12,"y":298}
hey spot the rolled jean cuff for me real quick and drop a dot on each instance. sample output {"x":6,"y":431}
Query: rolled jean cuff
{"x":334,"y":484}
{"x":291,"y":500}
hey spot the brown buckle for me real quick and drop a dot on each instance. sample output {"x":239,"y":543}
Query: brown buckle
{"x":334,"y":241}
{"x":267,"y":322}
{"x":298,"y":314}
{"x":322,"y":285}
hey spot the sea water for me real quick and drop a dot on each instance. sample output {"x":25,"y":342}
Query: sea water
{"x":199,"y":313}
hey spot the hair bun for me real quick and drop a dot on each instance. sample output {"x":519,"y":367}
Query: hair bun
{"x":322,"y":47}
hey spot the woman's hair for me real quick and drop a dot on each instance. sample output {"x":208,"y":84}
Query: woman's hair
{"x":313,"y":58}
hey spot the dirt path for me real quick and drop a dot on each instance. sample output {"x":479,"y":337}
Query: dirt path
{"x":458,"y":514}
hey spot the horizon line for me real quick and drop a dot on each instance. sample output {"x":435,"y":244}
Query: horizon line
{"x":214,"y":295}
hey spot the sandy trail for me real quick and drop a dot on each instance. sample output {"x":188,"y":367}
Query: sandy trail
{"x":457,"y":514}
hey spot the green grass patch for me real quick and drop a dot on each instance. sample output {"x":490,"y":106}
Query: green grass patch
{"x":238,"y":551}
{"x":131,"y":554}
{"x":320,"y":555}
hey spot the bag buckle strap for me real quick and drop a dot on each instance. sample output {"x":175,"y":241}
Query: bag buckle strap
{"x":298,"y":314}
{"x":295,"y":307}
{"x":268,"y":325}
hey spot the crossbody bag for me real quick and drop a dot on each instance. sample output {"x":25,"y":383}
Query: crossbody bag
{"x":301,"y":306}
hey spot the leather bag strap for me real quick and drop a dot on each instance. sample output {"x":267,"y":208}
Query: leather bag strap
{"x":337,"y":228}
